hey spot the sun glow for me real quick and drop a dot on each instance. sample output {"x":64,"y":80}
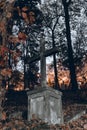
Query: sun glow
{"x":64,"y":77}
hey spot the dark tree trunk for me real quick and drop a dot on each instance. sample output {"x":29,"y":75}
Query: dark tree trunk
{"x":26,"y":66}
{"x":25,"y":75}
{"x":70,"y":50}
{"x":56,"y":86}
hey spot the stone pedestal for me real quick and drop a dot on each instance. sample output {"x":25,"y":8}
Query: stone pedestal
{"x":45,"y":103}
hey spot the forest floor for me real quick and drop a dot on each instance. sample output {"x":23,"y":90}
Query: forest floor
{"x":74,"y":111}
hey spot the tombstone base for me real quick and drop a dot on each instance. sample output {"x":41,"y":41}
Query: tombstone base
{"x":45,"y":104}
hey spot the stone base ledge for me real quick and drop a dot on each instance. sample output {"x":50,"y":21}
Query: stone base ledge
{"x":45,"y":103}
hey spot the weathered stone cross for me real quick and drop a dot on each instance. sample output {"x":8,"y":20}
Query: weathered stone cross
{"x":45,"y":103}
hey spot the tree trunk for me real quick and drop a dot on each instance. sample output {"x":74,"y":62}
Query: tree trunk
{"x":70,"y":50}
{"x":55,"y":65}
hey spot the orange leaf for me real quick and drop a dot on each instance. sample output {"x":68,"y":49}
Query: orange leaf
{"x":2,"y":63}
{"x":13,"y":39}
{"x":22,"y":36}
{"x":2,"y":26}
{"x":6,"y":72}
{"x":3,"y":49}
{"x":9,"y":15}
{"x":3,"y":115}
{"x":31,"y":17}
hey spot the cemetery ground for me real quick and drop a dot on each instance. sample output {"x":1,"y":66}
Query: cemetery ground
{"x":74,"y":112}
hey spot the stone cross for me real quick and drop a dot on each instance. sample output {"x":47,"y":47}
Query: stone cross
{"x":42,"y":61}
{"x":45,"y":103}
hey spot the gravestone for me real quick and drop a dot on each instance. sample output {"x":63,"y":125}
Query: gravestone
{"x":45,"y":103}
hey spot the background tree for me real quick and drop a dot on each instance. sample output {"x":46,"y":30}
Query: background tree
{"x":76,"y":16}
{"x":5,"y":72}
{"x":51,"y":22}
{"x":77,"y":13}
{"x":79,"y":27}
{"x":70,"y":50}
{"x":26,"y":24}
{"x":10,"y":50}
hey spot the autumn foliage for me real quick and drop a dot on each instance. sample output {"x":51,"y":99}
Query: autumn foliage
{"x":8,"y":54}
{"x":22,"y":36}
{"x":9,"y":51}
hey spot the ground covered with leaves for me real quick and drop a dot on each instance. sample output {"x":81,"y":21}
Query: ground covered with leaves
{"x":37,"y":124}
{"x":72,"y":106}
